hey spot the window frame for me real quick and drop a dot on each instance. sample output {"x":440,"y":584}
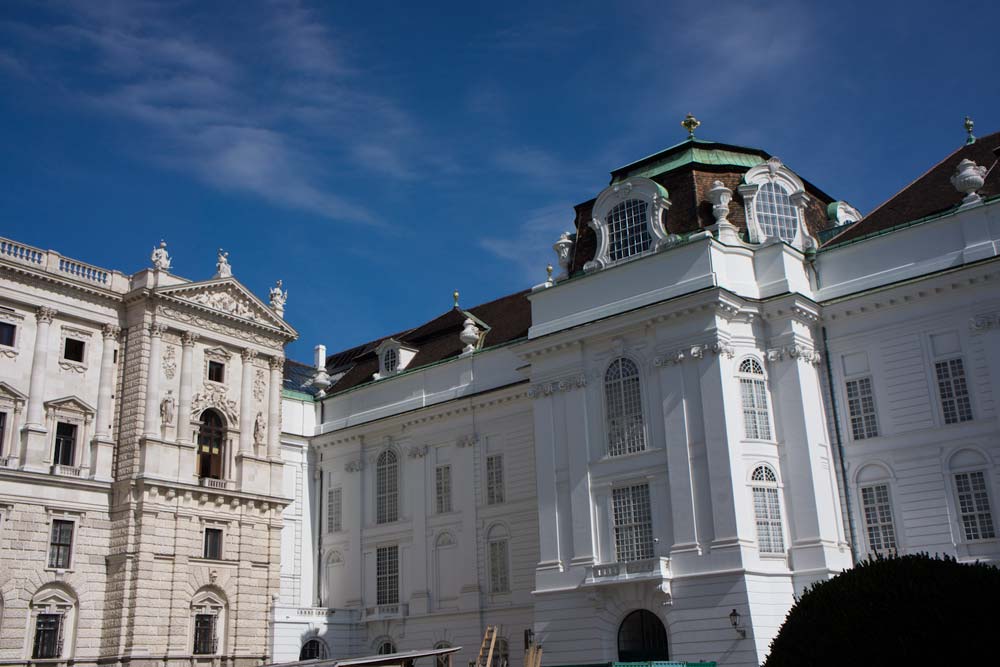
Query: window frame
{"x":773,"y":171}
{"x":57,"y":636}
{"x":387,"y":512}
{"x":13,"y":328}
{"x":961,"y":515}
{"x":387,"y":579}
{"x":642,"y":534}
{"x":858,"y":378}
{"x":657,"y":202}
{"x":749,"y":378}
{"x":769,"y":490}
{"x":496,"y":490}
{"x":442,"y":489}
{"x":58,"y":446}
{"x":50,"y":558}
{"x":498,"y":539}
{"x":881,"y":522}
{"x":949,"y":359}
{"x":216,"y":368}
{"x":213,"y":530}
{"x":335,"y":510}
{"x":640,"y":391}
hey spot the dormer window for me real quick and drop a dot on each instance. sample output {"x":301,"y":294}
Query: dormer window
{"x":775,"y":200}
{"x":628,"y":218}
{"x":393,"y":357}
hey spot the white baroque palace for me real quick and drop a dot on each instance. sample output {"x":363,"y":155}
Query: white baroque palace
{"x":733,"y":387}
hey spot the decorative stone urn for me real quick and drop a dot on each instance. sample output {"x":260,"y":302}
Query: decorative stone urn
{"x":721,"y":196}
{"x":563,"y":247}
{"x":469,"y":336}
{"x":968,"y":178}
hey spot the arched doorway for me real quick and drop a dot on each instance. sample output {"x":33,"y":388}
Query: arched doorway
{"x":642,"y":638}
{"x":211,"y":444}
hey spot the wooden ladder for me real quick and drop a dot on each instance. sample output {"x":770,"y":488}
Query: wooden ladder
{"x":533,"y":656}
{"x":489,"y":643}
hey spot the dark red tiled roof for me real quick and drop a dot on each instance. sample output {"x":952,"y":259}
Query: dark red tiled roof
{"x":931,"y":193}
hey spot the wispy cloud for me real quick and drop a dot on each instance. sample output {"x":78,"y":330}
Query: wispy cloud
{"x":530,"y":245}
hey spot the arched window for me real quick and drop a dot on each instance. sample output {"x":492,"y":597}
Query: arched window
{"x":53,"y":614}
{"x":767,"y":510}
{"x":628,"y":229}
{"x":387,"y":487}
{"x":753,"y":392}
{"x":314,"y":649}
{"x":642,"y":638}
{"x":208,"y":621}
{"x":211,"y":444}
{"x":385,"y":647}
{"x":775,"y":213}
{"x":442,"y":660}
{"x":623,"y":396}
{"x":498,"y":555}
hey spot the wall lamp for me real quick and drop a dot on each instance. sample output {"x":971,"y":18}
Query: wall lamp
{"x":734,"y":619}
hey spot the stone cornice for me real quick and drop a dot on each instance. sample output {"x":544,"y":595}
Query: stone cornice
{"x":67,"y":284}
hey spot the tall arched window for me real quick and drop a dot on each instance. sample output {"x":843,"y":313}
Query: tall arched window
{"x":208,"y":621}
{"x":623,"y":396}
{"x":753,"y":392}
{"x":387,"y":487}
{"x":314,"y":649}
{"x":53,"y":612}
{"x":498,"y":556}
{"x":642,"y":638}
{"x":767,"y":510}
{"x":775,"y":212}
{"x":211,"y":444}
{"x":628,"y":229}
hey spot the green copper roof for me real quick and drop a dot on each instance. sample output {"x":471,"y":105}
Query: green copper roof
{"x":690,"y":151}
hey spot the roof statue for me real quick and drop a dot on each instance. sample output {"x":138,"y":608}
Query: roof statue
{"x":971,"y":139}
{"x":222,"y":267}
{"x":690,"y":123}
{"x":278,"y":299}
{"x":160,"y":258}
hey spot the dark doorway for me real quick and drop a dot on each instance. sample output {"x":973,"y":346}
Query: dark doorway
{"x":211,"y":444}
{"x":642,"y":638}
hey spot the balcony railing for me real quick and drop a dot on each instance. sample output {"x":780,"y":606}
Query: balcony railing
{"x":212,"y":483}
{"x":647,"y":568}
{"x":67,"y":471}
{"x":52,"y":262}
{"x":385,"y":611}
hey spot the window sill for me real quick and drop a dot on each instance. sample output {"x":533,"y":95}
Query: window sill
{"x":60,"y":570}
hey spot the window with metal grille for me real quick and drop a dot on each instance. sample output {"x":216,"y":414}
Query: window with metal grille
{"x":7,"y":332}
{"x":213,"y":543}
{"x":65,"y":449}
{"x":48,"y":637}
{"x":974,"y":505}
{"x":954,"y":391}
{"x":878,"y":517}
{"x":499,"y":573}
{"x":61,"y":544}
{"x":387,"y":575}
{"x":628,"y":229}
{"x":633,"y":523}
{"x":387,"y":487}
{"x":334,"y":510}
{"x":861,"y":408}
{"x":767,"y":511}
{"x":494,"y":479}
{"x":442,"y":487}
{"x":776,"y":215}
{"x":753,"y":392}
{"x":623,"y":398}
{"x":205,"y":638}
{"x":314,"y":649}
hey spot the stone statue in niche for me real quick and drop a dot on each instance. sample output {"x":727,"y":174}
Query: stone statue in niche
{"x":259,"y":430}
{"x":160,"y":258}
{"x":222,"y":267}
{"x":167,"y":406}
{"x":278,"y":299}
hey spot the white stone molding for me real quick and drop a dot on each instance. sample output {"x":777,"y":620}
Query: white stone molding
{"x":219,"y":327}
{"x":112,"y":331}
{"x":984,"y":322}
{"x":968,"y":178}
{"x":773,"y":171}
{"x":794,"y":351}
{"x":695,"y":351}
{"x":564,"y":384}
{"x":657,"y":202}
{"x":219,"y":354}
{"x":78,"y":334}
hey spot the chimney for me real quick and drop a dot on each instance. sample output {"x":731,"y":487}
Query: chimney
{"x":320,"y":357}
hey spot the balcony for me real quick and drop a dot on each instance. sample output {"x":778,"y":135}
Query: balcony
{"x":212,"y":483}
{"x":647,"y":569}
{"x":67,"y":471}
{"x":386,"y":611}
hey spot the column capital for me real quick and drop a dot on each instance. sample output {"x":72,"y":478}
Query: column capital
{"x":248,"y":355}
{"x":111,"y":331}
{"x":188,"y":338}
{"x":276,"y":363}
{"x":45,"y":314}
{"x":156,"y":329}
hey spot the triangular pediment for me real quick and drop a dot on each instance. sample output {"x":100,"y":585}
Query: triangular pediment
{"x":71,"y":404}
{"x":228,"y":296}
{"x":7,"y":391}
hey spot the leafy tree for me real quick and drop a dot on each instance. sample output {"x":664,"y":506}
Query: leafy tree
{"x":898,"y":610}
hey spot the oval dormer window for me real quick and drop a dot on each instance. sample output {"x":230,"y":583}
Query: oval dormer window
{"x":628,"y":219}
{"x":628,"y":229}
{"x":775,"y":212}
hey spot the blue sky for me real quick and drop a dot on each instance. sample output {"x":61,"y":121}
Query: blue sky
{"x":376,"y":157}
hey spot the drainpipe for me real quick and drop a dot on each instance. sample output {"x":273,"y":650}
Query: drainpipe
{"x":840,"y":449}
{"x":318,"y":536}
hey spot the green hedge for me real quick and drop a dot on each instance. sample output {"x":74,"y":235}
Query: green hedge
{"x":904,"y":610}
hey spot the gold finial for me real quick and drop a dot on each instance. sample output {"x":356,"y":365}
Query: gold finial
{"x":548,"y":271}
{"x":455,"y":296}
{"x":690,"y":123}
{"x":971,"y":139}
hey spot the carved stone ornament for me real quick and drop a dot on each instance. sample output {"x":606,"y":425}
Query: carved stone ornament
{"x":564,"y":249}
{"x":218,"y":327}
{"x":981,"y":323}
{"x":222,"y":267}
{"x":227,"y":303}
{"x":160,"y":258}
{"x":112,"y":331}
{"x":470,"y":440}
{"x":469,"y":336}
{"x":167,"y":406}
{"x":774,"y":171}
{"x":800,"y":352}
{"x":968,"y":178}
{"x":417,"y":452}
{"x":259,"y":430}
{"x":721,"y":196}
{"x":170,"y":362}
{"x":652,"y":196}
{"x":259,"y":383}
{"x":356,"y":465}
{"x":278,"y":299}
{"x":568,"y":383}
{"x":45,"y":314}
{"x":213,"y":395}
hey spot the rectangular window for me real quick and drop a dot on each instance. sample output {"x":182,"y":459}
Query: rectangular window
{"x":953,"y":390}
{"x":767,"y":512}
{"x":73,"y":350}
{"x":48,"y":637}
{"x":861,"y":408}
{"x":974,"y":505}
{"x":499,"y":574}
{"x":213,"y":543}
{"x":633,"y":523}
{"x":756,"y":420}
{"x":334,"y":511}
{"x":216,"y":371}
{"x":494,"y":479}
{"x":442,"y":486}
{"x":387,"y":575}
{"x":204,"y":634}
{"x":61,"y":544}
{"x":7,"y":331}
{"x":65,"y":444}
{"x":878,"y":517}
